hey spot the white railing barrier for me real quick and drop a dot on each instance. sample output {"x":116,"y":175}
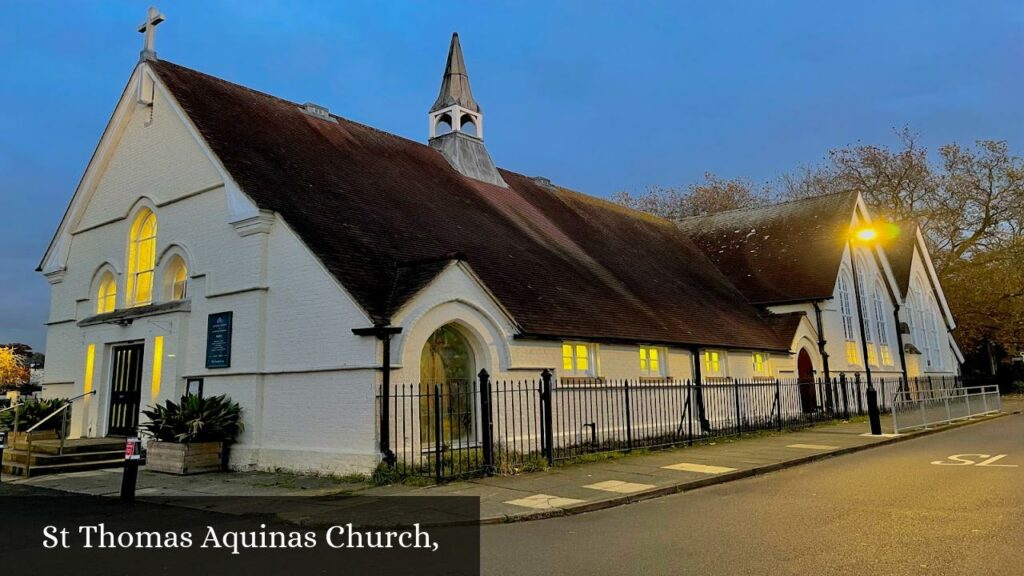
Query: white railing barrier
{"x":912,"y":409}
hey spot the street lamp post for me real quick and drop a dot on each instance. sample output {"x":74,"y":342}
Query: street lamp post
{"x":865,"y":235}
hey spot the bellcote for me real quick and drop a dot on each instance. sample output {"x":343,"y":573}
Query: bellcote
{"x":455,"y":109}
{"x":457,"y":122}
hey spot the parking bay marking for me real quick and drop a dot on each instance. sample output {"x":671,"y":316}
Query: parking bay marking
{"x":962,"y":460}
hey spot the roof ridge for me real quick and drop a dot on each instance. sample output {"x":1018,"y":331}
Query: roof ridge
{"x":291,"y":102}
{"x":764,"y":206}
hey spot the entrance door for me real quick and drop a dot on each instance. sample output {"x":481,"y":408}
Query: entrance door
{"x":805,"y":376}
{"x":125,"y":390}
{"x":447,"y":363}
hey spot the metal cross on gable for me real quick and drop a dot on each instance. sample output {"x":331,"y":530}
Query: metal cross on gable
{"x":153,"y":17}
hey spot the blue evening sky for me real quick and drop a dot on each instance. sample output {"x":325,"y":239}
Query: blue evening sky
{"x":599,"y":96}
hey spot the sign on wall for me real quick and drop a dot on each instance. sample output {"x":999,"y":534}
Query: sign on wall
{"x":218,"y":340}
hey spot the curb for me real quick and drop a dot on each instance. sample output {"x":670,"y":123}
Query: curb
{"x":691,"y":485}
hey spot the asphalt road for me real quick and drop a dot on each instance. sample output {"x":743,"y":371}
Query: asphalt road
{"x":881,"y":512}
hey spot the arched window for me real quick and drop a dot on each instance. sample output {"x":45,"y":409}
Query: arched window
{"x":176,"y":280}
{"x":918,"y":331}
{"x":864,"y":312}
{"x":932,"y":336}
{"x":443,"y":125}
{"x":141,"y":259}
{"x":106,"y":294}
{"x":881,"y":326}
{"x":846,"y":310}
{"x":467,"y":125}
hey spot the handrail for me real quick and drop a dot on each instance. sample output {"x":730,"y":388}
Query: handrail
{"x":11,"y":407}
{"x":63,"y":428}
{"x":52,"y":414}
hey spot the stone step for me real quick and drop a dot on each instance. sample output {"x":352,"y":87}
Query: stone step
{"x":10,"y":468}
{"x":44,"y":459}
{"x":72,"y":446}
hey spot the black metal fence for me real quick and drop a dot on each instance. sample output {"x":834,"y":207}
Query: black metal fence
{"x":458,"y":428}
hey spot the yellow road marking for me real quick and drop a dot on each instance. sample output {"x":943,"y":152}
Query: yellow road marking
{"x":543,"y":502}
{"x":619,"y":486}
{"x":702,"y":468}
{"x":813,"y":446}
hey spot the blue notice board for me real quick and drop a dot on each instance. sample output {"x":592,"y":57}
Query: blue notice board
{"x":218,"y":340}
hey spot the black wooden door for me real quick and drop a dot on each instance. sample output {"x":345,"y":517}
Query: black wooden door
{"x":125,"y":390}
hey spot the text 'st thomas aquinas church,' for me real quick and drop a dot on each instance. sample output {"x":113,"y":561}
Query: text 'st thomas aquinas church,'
{"x":316,"y":269}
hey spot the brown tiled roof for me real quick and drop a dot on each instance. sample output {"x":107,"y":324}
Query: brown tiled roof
{"x":900,"y":253}
{"x":371,"y":205}
{"x":787,"y":252}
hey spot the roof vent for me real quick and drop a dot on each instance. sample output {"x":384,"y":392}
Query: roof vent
{"x":317,"y":111}
{"x":542,"y":181}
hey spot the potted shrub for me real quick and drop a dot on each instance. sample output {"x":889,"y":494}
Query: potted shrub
{"x":189,"y":437}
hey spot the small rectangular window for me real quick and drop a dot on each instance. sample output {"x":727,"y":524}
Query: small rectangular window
{"x":577,"y":359}
{"x":760,"y":363}
{"x":872,"y":355}
{"x":712,"y":363}
{"x":651,"y":361}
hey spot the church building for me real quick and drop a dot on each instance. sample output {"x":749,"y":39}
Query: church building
{"x":228,"y":241}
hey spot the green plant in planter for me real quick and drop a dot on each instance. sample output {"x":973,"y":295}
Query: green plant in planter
{"x":195,"y":419}
{"x":32,"y":412}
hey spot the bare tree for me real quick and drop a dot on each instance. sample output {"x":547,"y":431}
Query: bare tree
{"x":714,"y":194}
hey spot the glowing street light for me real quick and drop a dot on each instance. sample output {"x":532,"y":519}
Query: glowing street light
{"x":867,"y":234}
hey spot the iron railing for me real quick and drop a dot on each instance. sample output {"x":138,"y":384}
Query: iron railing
{"x":460,"y":428}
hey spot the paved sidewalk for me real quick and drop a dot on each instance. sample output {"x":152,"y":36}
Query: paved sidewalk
{"x":562,"y":490}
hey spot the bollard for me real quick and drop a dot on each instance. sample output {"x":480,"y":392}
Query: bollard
{"x":3,"y":444}
{"x":873,"y":415}
{"x":130,"y":476}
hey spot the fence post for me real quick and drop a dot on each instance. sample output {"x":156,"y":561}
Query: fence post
{"x":487,"y":428}
{"x":629,"y":418}
{"x":860,"y":401}
{"x":438,"y":462}
{"x":778,"y":401}
{"x":689,"y":410}
{"x":736,"y":394}
{"x":846,"y":396}
{"x":924,"y":420}
{"x":545,"y":399}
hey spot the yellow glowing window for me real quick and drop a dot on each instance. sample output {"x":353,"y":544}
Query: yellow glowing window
{"x":176,"y":279}
{"x":712,"y":362}
{"x":106,"y":295}
{"x":886,"y":355}
{"x":851,"y":353}
{"x":576,"y":358}
{"x":141,"y":259}
{"x":760,"y":363}
{"x":872,"y":355}
{"x":650,"y":361}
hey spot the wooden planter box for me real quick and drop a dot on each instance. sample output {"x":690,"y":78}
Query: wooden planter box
{"x":174,"y":458}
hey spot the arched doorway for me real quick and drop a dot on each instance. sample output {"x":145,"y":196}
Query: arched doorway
{"x":805,"y":377}
{"x":447,"y":366}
